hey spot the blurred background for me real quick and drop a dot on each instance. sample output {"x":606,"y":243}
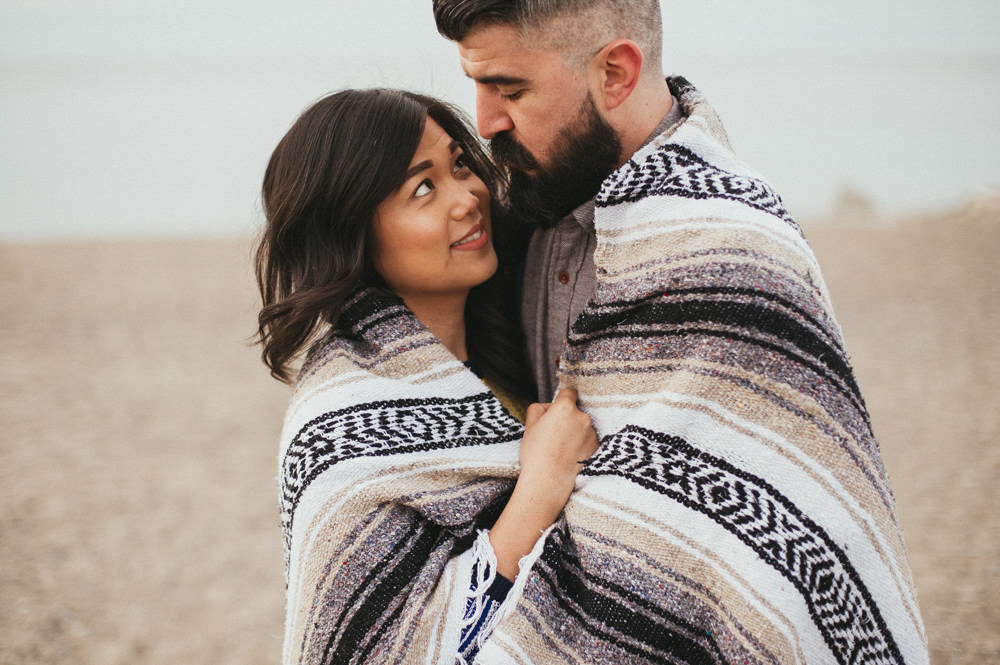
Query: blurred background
{"x":138,"y":119}
{"x":138,"y":430}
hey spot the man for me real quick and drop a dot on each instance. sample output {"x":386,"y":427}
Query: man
{"x":738,"y":509}
{"x":562,"y":125}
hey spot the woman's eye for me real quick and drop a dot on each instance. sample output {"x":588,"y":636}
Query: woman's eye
{"x":460,"y":164}
{"x":424,"y":188}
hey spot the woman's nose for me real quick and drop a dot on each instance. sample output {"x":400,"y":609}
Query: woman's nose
{"x":466,"y":198}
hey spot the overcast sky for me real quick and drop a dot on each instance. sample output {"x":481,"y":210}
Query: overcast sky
{"x":125,"y":119}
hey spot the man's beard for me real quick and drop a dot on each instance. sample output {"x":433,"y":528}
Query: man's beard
{"x":584,"y":153}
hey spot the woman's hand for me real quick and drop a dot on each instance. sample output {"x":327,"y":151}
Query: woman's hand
{"x":557,"y":437}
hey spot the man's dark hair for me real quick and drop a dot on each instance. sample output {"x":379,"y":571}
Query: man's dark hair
{"x":576,"y":27}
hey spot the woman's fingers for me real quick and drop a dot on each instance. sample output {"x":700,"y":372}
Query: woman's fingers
{"x":567,"y":394}
{"x":557,"y":437}
{"x":535,"y":411}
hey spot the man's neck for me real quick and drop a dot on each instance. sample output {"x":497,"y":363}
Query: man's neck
{"x":583,"y":214}
{"x":648,"y":105}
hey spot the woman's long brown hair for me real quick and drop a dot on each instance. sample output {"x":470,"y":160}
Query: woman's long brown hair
{"x":342,"y":158}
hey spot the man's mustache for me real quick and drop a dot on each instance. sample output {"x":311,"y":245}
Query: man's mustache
{"x":508,"y":152}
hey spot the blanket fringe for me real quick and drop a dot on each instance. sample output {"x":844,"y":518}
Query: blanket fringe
{"x":525,"y":565}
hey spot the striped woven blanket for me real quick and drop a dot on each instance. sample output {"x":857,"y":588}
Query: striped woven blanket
{"x":738,"y":510}
{"x":394,"y":456}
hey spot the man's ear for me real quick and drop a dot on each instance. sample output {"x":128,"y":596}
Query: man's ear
{"x":619,"y":65}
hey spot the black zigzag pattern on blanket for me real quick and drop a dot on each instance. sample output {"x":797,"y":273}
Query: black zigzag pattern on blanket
{"x":389,"y":428}
{"x":673,"y":170}
{"x":766,"y":521}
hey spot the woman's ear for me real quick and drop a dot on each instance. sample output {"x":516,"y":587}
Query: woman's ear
{"x":618,"y":67}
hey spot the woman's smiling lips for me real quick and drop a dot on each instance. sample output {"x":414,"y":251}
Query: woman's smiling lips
{"x":475,"y":239}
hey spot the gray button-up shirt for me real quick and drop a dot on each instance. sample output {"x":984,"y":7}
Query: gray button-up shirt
{"x":559,"y":281}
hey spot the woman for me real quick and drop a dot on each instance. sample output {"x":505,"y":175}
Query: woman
{"x":380,"y":254}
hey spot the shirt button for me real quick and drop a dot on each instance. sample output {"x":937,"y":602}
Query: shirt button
{"x":564,"y":277}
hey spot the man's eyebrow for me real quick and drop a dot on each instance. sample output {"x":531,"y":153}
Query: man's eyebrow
{"x":499,"y":79}
{"x":426,"y":164}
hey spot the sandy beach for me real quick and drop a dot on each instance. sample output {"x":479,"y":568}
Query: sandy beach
{"x":138,"y":439}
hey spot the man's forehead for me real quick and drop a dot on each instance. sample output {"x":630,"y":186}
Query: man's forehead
{"x":492,"y":36}
{"x":496,"y":54}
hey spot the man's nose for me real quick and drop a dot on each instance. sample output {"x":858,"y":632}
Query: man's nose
{"x":491,"y":119}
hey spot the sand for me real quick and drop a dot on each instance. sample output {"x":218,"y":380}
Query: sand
{"x":138,"y":439}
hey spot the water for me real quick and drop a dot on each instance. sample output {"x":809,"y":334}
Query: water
{"x":143,"y":121}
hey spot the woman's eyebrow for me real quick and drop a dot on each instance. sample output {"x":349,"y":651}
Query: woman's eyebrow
{"x":427,"y":163}
{"x":417,"y":168}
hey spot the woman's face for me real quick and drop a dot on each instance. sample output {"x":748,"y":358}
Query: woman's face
{"x":432,"y":235}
